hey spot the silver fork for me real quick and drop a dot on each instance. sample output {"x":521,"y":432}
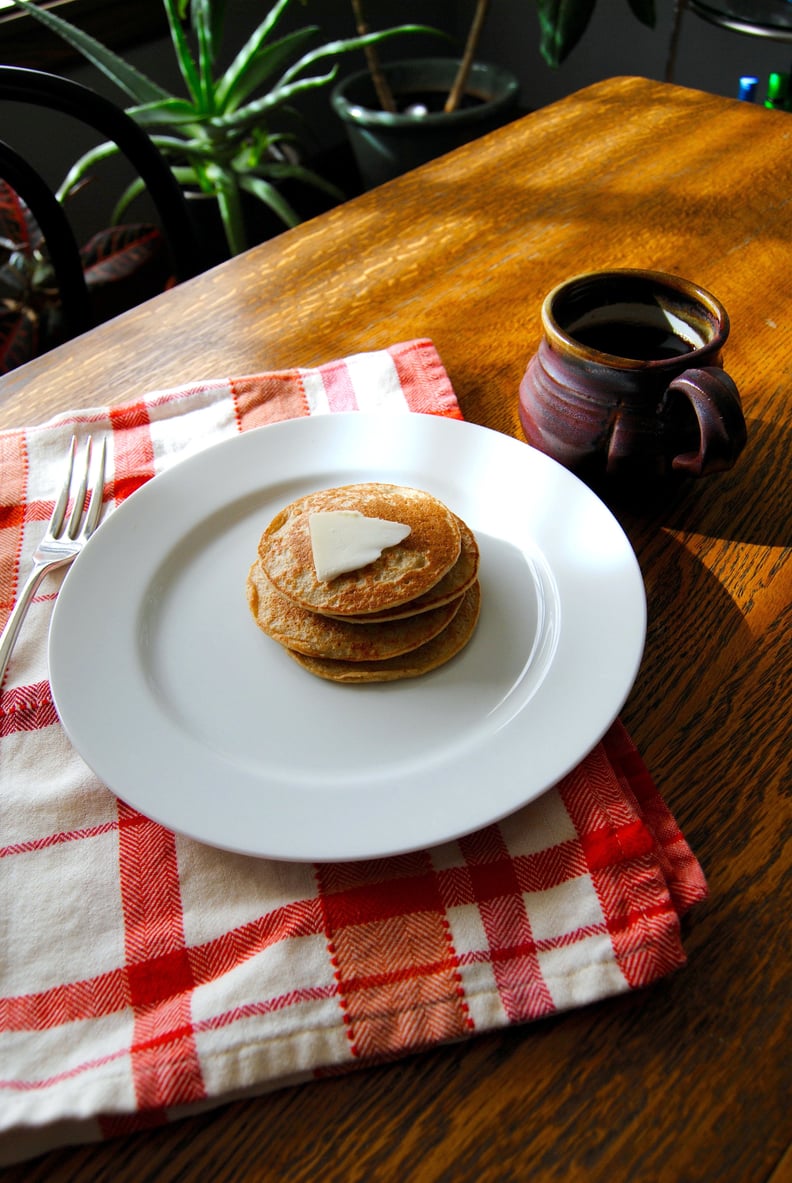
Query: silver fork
{"x":63,"y":540}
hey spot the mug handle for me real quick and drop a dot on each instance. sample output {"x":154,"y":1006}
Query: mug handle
{"x":722,"y":432}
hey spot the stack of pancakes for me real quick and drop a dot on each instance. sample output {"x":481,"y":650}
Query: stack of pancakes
{"x":409,"y":611}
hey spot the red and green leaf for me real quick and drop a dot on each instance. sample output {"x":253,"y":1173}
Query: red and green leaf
{"x":19,"y":338}
{"x":123,"y":266}
{"x":13,"y":220}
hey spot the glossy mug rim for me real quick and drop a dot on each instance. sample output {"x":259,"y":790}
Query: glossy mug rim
{"x":694,"y":293}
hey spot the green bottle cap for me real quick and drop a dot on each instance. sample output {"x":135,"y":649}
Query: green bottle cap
{"x":777,"y":90}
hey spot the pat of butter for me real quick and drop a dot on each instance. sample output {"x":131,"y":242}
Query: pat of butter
{"x":344,"y":539}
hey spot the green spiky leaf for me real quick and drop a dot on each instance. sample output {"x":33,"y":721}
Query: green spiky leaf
{"x":83,"y":166}
{"x":186,"y":62}
{"x":136,"y":85}
{"x":271,"y":197}
{"x":168,"y":112}
{"x":251,"y":69}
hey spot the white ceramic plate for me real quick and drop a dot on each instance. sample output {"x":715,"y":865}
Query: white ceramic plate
{"x":188,"y":712}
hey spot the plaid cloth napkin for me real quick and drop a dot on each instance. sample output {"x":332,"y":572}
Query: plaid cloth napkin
{"x":144,"y":975}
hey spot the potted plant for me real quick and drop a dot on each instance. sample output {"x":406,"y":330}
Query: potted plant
{"x":401,"y":114}
{"x":220,"y":137}
{"x":121,"y":266}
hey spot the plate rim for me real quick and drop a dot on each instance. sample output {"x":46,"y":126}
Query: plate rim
{"x":368,"y":425}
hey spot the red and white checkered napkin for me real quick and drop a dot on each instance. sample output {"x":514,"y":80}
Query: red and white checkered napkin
{"x":144,"y":975}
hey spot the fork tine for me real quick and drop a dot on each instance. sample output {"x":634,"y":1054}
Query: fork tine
{"x":56,"y":548}
{"x":97,"y":493}
{"x":59,"y":509}
{"x":78,"y":504}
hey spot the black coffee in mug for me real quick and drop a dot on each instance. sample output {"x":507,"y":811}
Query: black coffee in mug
{"x":643,"y":328}
{"x":641,"y":342}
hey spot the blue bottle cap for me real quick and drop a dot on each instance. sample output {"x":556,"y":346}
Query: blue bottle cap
{"x":747,"y":88}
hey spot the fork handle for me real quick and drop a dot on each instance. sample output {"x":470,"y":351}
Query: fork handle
{"x":19,"y":612}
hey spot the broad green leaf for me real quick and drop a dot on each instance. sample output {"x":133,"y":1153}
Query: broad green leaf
{"x":644,"y":10}
{"x":131,"y":81}
{"x":562,"y":24}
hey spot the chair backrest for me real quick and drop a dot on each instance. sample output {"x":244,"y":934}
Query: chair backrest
{"x":50,"y":91}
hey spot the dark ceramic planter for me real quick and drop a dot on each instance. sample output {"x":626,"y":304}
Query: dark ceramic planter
{"x":388,"y":144}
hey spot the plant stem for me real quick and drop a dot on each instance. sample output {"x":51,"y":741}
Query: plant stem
{"x":673,"y":44}
{"x":458,"y":89}
{"x":384,"y":93}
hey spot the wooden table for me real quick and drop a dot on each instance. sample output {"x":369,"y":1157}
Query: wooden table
{"x":689,"y":1080}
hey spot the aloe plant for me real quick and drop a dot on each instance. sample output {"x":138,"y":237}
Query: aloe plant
{"x":218,"y":138}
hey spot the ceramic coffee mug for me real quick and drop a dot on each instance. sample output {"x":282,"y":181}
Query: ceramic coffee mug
{"x":627,"y":381}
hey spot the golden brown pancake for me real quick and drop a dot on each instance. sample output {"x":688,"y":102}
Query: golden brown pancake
{"x":418,"y":661}
{"x":401,"y":573}
{"x":450,"y":587}
{"x":314,"y":635}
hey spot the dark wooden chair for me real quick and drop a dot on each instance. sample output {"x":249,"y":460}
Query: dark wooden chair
{"x":91,"y":109}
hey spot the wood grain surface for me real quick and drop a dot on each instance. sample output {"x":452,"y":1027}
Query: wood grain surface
{"x":689,"y":1080}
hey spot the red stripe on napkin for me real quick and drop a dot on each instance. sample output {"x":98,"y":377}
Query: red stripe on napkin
{"x":338,"y":387}
{"x":269,"y":399}
{"x":392,"y":954}
{"x":12,"y":497}
{"x":27,"y":708}
{"x":182,"y":975}
{"x":133,"y":451}
{"x":165,"y":1065}
{"x":501,"y":903}
{"x":424,"y":380}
